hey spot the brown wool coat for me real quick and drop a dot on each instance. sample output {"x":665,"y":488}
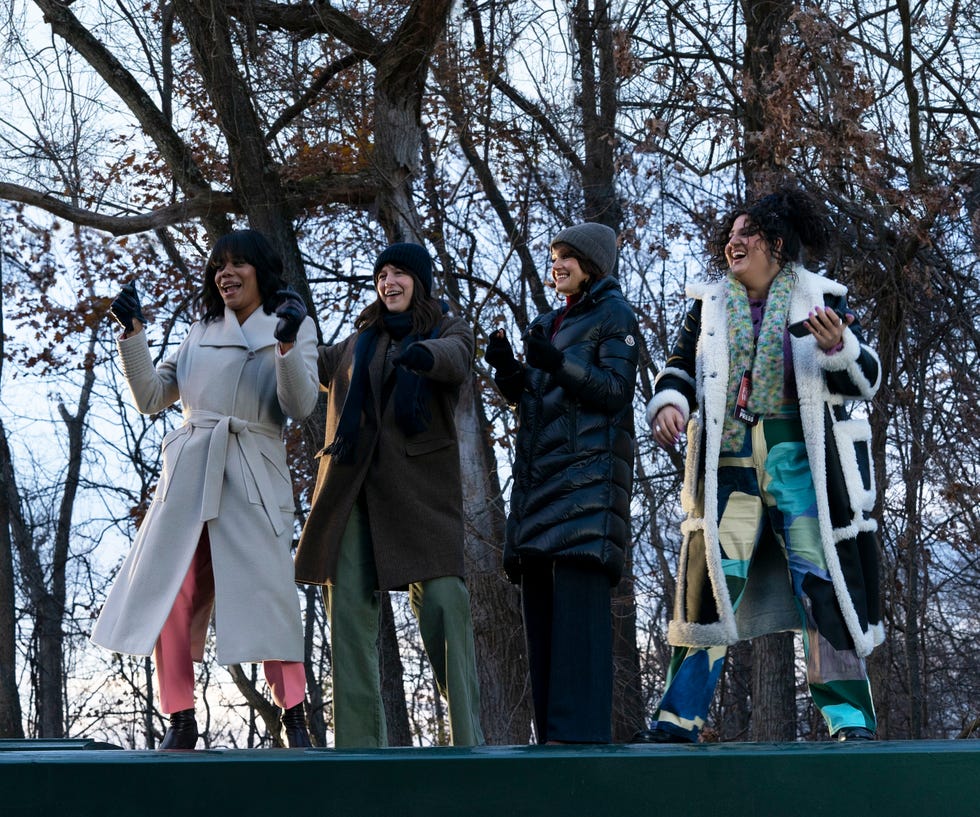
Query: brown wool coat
{"x":411,"y":485}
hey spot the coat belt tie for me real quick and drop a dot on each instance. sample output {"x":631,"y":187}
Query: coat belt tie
{"x":222,"y":427}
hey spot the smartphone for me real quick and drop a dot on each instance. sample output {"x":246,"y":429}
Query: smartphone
{"x":799,"y":330}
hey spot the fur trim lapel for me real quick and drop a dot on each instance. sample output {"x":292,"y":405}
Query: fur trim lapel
{"x":712,"y":379}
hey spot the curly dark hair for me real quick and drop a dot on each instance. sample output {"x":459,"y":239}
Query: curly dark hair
{"x":254,"y":248}
{"x":788,"y":214}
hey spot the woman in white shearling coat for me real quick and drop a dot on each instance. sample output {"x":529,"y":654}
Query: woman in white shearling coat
{"x":778,"y":489}
{"x":219,"y":529}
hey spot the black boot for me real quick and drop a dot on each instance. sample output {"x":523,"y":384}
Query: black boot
{"x":294,"y":727}
{"x":656,"y":735}
{"x":182,"y":732}
{"x":849,"y":734}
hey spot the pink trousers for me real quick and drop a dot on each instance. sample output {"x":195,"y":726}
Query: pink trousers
{"x":172,"y":653}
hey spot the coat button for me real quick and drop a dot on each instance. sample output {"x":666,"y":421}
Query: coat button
{"x":251,"y":354}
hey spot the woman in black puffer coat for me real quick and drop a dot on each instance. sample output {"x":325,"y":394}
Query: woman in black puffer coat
{"x":569,"y":522}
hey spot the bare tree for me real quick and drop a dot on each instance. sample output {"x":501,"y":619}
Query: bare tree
{"x":11,"y":725}
{"x":329,"y":131}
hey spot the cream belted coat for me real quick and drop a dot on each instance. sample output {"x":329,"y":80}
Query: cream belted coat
{"x":225,"y":467}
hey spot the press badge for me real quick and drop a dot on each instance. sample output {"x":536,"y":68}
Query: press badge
{"x":741,"y":411}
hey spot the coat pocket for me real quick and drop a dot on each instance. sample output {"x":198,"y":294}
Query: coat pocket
{"x":280,"y":478}
{"x":170,"y":450}
{"x":415,"y":448}
{"x":853,"y":438}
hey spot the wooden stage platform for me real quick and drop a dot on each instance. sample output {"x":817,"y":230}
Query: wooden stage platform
{"x":896,"y":778}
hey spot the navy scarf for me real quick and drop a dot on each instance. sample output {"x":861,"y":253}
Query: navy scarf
{"x":412,"y":392}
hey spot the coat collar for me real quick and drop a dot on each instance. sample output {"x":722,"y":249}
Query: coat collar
{"x":602,"y":289}
{"x":810,"y":283}
{"x":255,"y":333}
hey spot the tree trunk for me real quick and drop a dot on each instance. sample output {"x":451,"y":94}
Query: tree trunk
{"x":773,"y":671}
{"x":314,"y":688}
{"x":254,"y":174}
{"x":628,"y":713}
{"x":764,"y":24}
{"x":48,"y":678}
{"x":10,"y":712}
{"x":401,"y":72}
{"x":149,"y":710}
{"x":773,"y":660}
{"x":392,"y":678}
{"x":258,"y":703}
{"x":735,"y":698}
{"x":593,"y":32}
{"x":505,"y":703}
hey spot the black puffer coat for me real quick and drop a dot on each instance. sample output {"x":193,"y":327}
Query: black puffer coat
{"x":574,"y":464}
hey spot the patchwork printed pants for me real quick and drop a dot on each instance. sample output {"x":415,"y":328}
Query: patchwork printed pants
{"x":769,"y":483}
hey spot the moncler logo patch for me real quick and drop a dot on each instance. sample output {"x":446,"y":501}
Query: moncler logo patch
{"x":630,"y":341}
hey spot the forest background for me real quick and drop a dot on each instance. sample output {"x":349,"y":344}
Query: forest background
{"x":133,"y":133}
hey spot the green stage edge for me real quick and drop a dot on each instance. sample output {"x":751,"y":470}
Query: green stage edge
{"x":894,"y":778}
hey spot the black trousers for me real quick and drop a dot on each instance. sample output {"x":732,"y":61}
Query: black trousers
{"x":568,"y":624}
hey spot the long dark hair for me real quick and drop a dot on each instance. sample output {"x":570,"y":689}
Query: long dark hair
{"x":426,"y":310}
{"x":254,"y":248}
{"x":788,"y":214}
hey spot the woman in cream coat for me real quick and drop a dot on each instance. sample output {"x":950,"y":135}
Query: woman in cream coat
{"x":220,"y":526}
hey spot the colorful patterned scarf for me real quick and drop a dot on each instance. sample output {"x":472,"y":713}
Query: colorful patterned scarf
{"x":764,"y":358}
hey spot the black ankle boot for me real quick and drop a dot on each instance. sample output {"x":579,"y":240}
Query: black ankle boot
{"x":294,"y":727}
{"x":655,"y":735}
{"x":182,"y":732}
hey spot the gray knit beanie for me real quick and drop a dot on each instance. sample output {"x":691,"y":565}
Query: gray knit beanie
{"x":412,"y":257}
{"x":597,"y":242}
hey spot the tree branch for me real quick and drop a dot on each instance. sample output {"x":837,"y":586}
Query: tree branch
{"x":174,"y":150}
{"x":315,"y":18}
{"x":355,"y":190}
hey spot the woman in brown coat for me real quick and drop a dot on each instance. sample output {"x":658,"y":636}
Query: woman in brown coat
{"x":387,"y":507}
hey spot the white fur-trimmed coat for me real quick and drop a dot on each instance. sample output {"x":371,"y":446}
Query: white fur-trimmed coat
{"x":695,"y":380}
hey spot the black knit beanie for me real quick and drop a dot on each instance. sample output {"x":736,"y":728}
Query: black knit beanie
{"x":412,"y":257}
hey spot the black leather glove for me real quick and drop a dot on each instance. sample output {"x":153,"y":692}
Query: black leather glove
{"x":541,"y":352}
{"x":417,"y":358}
{"x":291,"y":313}
{"x":500,"y":354}
{"x":125,"y":307}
